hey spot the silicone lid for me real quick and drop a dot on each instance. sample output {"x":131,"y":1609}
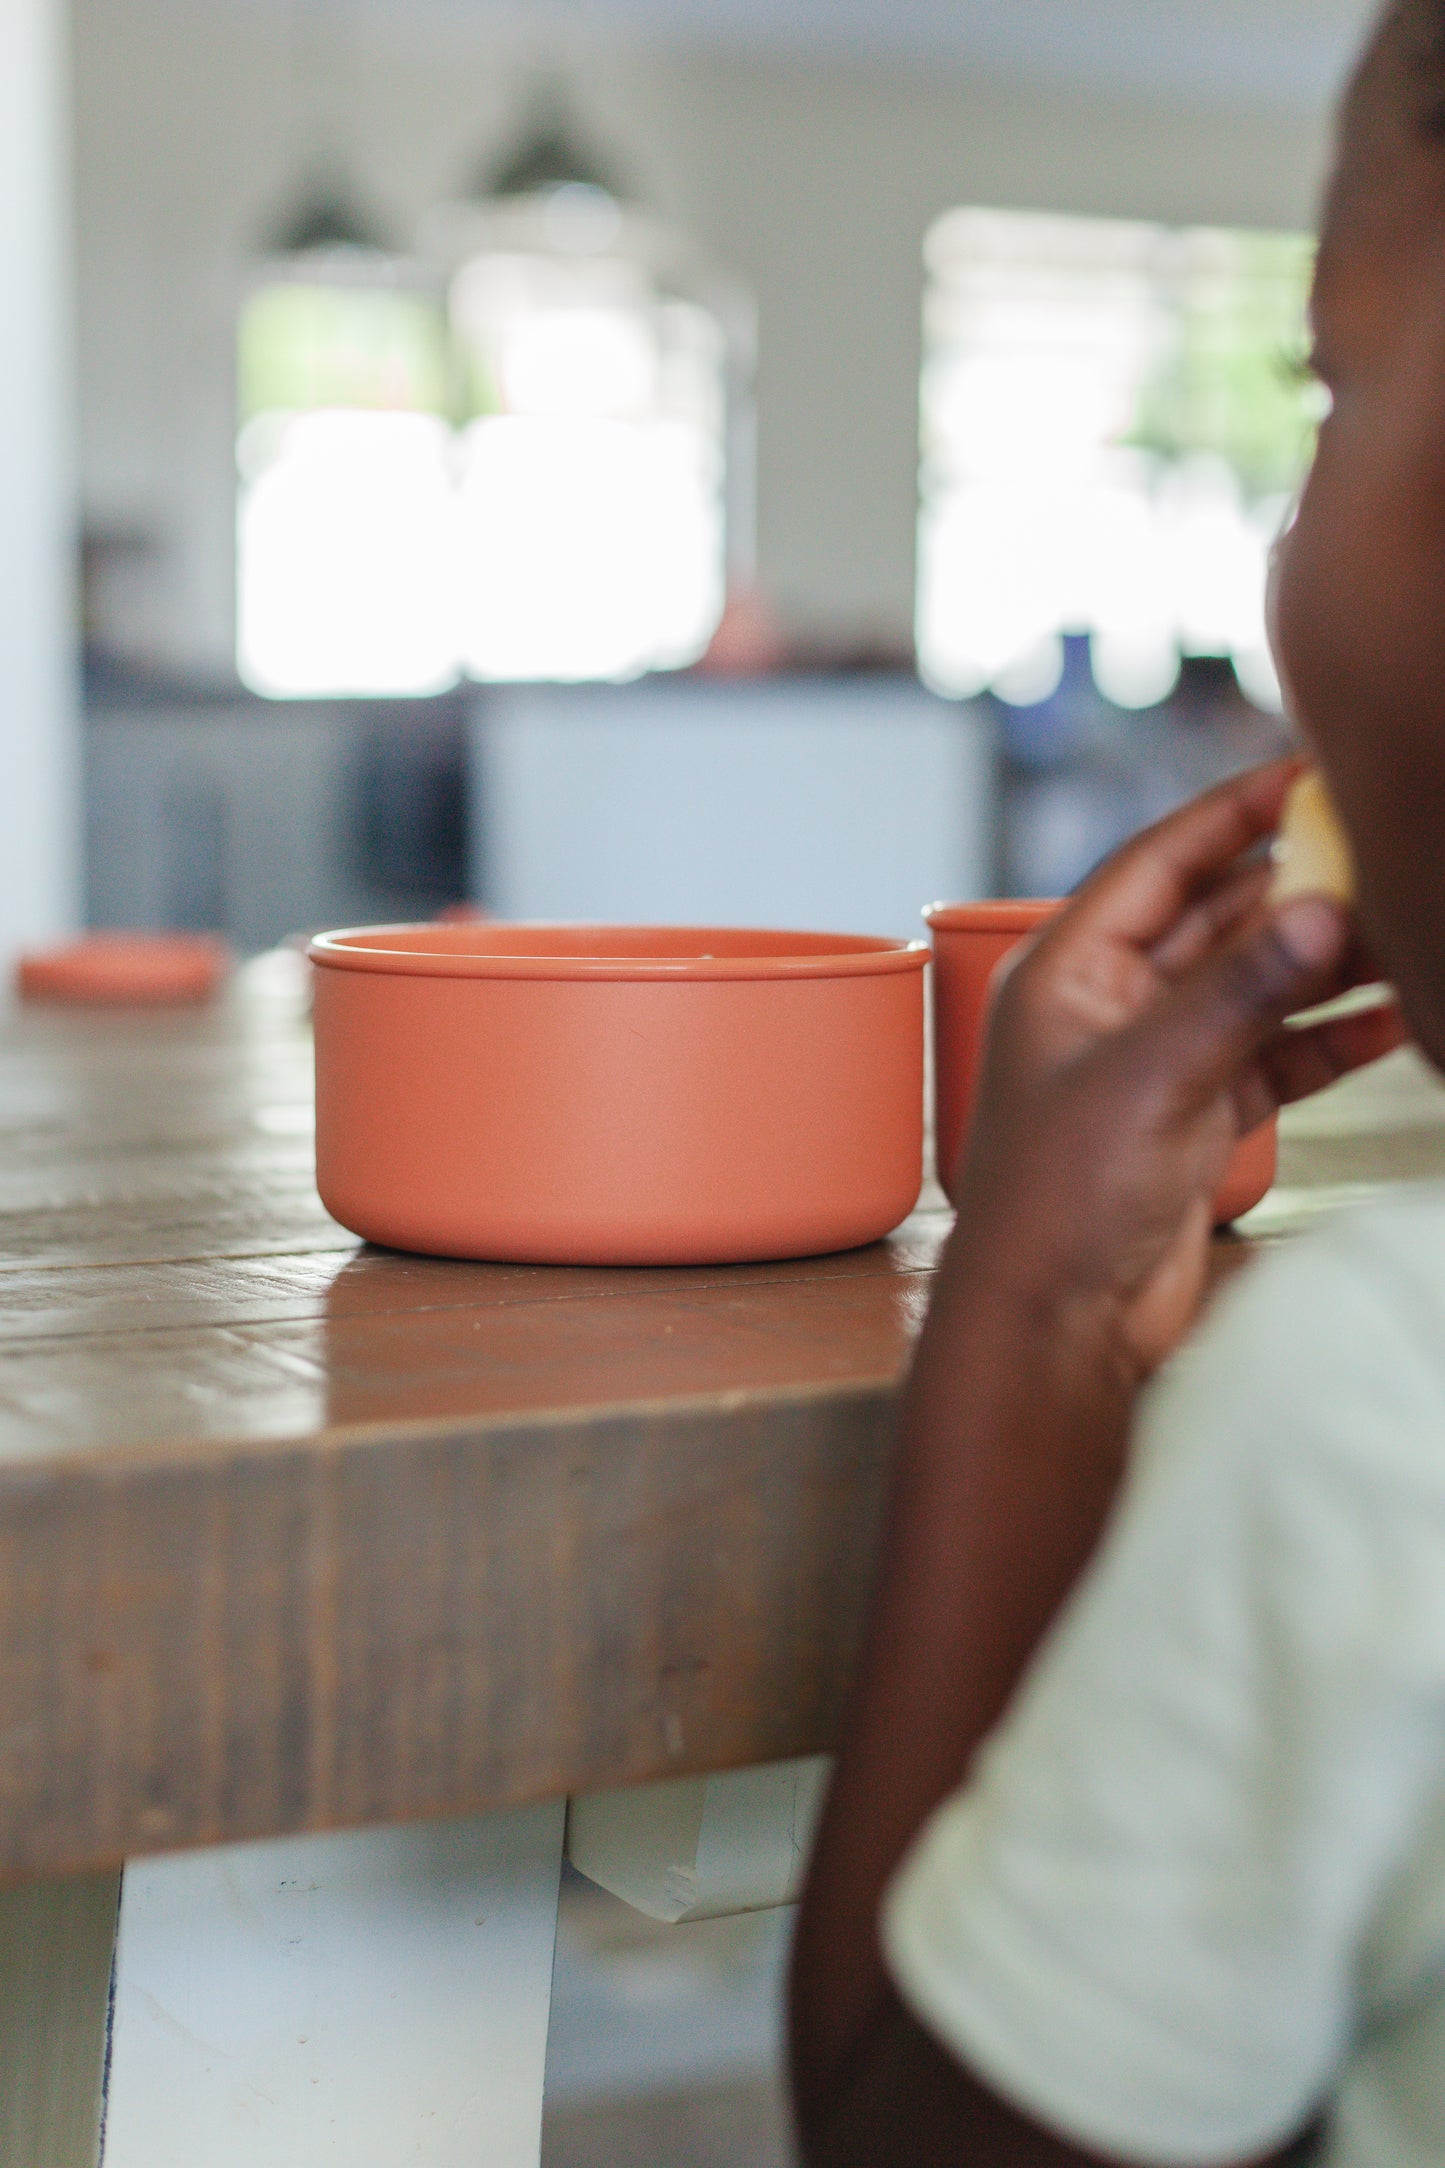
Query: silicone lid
{"x":125,"y":969}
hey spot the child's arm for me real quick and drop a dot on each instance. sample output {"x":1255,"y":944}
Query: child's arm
{"x":1136,"y":1040}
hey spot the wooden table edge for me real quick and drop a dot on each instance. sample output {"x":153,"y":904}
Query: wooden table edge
{"x":284,"y":1635}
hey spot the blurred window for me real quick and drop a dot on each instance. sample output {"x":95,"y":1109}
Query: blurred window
{"x":1114,"y":419}
{"x":532,"y":483}
{"x":593,"y":465}
{"x":346,"y":552}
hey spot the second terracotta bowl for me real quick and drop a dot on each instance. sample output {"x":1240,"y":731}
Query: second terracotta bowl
{"x":970,"y":941}
{"x":617,"y":1095}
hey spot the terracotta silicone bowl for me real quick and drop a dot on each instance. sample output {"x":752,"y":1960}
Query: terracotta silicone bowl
{"x":617,"y":1094}
{"x":970,"y":941}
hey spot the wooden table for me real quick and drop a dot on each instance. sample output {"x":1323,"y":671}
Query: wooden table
{"x":300,"y":1536}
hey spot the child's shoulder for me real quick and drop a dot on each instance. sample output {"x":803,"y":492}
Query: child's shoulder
{"x":1332,"y":1344}
{"x":1393,"y":1243}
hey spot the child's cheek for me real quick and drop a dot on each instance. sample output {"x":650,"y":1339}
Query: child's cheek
{"x":1337,"y":620}
{"x":1298,"y":603}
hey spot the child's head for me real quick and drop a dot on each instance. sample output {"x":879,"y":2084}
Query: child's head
{"x":1361,"y":607}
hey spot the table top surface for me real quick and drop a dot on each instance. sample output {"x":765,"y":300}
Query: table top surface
{"x":169,"y":1277}
{"x":295,"y":1532}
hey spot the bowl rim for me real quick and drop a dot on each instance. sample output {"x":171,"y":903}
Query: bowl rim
{"x":359,"y":948}
{"x":992,"y":914}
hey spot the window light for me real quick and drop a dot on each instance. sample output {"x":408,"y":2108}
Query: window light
{"x":346,"y":518}
{"x":541,"y":475}
{"x":601,"y":386}
{"x":1112,"y":422}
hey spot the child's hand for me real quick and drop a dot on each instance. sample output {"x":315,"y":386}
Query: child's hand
{"x":1137,"y":1038}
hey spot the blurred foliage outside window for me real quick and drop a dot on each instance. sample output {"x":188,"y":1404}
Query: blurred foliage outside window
{"x":303,"y":346}
{"x":1231,"y":379}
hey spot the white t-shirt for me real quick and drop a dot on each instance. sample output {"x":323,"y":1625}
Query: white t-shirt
{"x":1193,"y":1895}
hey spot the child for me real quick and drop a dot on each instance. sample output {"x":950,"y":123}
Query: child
{"x":1136,"y":1847}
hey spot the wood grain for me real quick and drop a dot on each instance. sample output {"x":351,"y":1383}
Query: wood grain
{"x":311,"y":1636}
{"x":297,"y":1534}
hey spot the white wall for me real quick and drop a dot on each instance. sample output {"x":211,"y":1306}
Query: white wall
{"x":39,"y":826}
{"x":816,"y":181}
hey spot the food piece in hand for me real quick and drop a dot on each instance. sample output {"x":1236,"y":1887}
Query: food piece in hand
{"x":1311,"y":852}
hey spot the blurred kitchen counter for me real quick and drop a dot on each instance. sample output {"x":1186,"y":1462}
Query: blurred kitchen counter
{"x":836,"y":801}
{"x":219,"y":811}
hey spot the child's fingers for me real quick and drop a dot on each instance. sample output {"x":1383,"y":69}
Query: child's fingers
{"x":1226,"y":912}
{"x":1204,"y":1035}
{"x":1298,"y":1063}
{"x":1214,"y":919}
{"x":1148,"y":885}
